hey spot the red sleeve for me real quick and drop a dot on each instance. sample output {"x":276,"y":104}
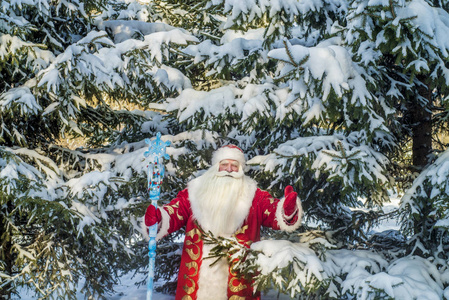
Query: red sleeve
{"x":267,"y":205}
{"x":176,"y":213}
{"x":271,"y":210}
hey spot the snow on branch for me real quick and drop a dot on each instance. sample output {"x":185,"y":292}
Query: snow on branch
{"x":222,"y":56}
{"x":36,"y":54}
{"x":294,"y":268}
{"x":126,"y":29}
{"x":431,"y":187}
{"x":249,"y":10}
{"x":346,"y":159}
{"x":43,"y":163}
{"x":433,"y":22}
{"x":20,"y":100}
{"x":372,"y":278}
{"x":325,"y":68}
{"x":247,"y":104}
{"x":21,"y":168}
{"x":96,"y":59}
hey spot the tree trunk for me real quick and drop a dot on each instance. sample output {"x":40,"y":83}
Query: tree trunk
{"x":421,"y":120}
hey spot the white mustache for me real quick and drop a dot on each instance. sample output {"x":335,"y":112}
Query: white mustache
{"x":235,"y":175}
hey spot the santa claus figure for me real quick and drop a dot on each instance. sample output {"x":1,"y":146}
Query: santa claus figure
{"x":227,"y":203}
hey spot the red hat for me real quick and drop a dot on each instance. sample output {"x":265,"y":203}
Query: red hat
{"x":229,"y":152}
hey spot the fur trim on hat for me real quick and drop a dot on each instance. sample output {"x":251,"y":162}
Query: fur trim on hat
{"x":229,"y":152}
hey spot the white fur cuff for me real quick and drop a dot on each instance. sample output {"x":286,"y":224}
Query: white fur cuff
{"x":164,"y":225}
{"x":283,"y":220}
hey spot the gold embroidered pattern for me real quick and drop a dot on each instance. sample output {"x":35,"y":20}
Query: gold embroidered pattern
{"x":191,"y":234}
{"x":179,"y":217}
{"x":170,"y":209}
{"x":267,"y":212}
{"x":176,"y":205}
{"x":236,"y":288}
{"x":241,"y":230}
{"x":174,"y":208}
{"x":191,"y":253}
{"x":236,"y":298}
{"x":189,"y":289}
{"x":193,"y":265}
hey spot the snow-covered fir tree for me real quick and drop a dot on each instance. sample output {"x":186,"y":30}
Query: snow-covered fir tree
{"x":341,"y":99}
{"x":67,"y":214}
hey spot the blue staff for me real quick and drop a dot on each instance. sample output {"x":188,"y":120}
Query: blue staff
{"x":156,"y":151}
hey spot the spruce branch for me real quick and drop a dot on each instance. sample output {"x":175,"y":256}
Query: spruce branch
{"x":392,"y":9}
{"x":241,"y":259}
{"x":289,"y":53}
{"x":342,"y":156}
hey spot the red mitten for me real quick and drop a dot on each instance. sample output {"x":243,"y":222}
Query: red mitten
{"x":152,"y":216}
{"x":290,"y":201}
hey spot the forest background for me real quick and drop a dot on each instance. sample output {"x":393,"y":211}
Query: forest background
{"x":344,"y":100}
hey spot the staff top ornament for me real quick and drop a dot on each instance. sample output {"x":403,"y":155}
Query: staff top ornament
{"x":157,"y":147}
{"x":156,"y":170}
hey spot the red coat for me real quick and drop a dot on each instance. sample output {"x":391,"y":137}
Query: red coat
{"x":265,"y":211}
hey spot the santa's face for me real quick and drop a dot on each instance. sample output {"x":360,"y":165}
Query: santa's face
{"x":229,"y":165}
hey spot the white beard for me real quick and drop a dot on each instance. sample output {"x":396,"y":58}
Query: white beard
{"x":220,"y":204}
{"x":220,"y":200}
